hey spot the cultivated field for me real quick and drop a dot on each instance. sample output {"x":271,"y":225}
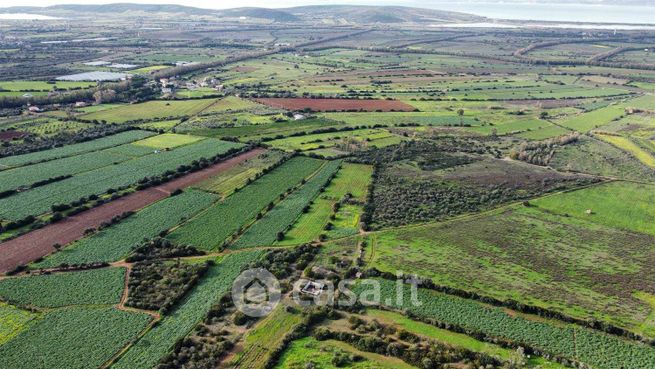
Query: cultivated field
{"x":150,"y":154}
{"x":336,"y":104}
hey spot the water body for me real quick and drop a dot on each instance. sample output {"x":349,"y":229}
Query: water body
{"x":500,"y":24}
{"x":594,"y":13}
{"x":24,"y":16}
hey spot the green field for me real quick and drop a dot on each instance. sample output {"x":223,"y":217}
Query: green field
{"x":167,"y":141}
{"x":211,"y":228}
{"x":74,"y":149}
{"x":231,"y":104}
{"x":351,"y":179}
{"x":119,"y":240}
{"x":512,"y":127}
{"x":42,"y":85}
{"x":93,"y":287}
{"x":585,"y":122}
{"x":284,"y":214}
{"x":29,"y":174}
{"x":265,"y":338}
{"x":455,"y":339}
{"x":150,"y":110}
{"x":365,"y":137}
{"x":148,"y":69}
{"x":227,"y":181}
{"x":645,"y":156}
{"x":442,"y":335}
{"x":571,"y":272}
{"x":591,"y":347}
{"x":590,"y":155}
{"x":320,"y":354}
{"x":624,"y":205}
{"x":544,"y":132}
{"x":159,"y":340}
{"x":259,"y":131}
{"x":39,"y":200}
{"x":13,"y":321}
{"x":59,"y":339}
{"x":165,"y":125}
{"x":423,"y":118}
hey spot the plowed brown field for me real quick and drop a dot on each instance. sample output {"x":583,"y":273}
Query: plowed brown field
{"x":38,"y":243}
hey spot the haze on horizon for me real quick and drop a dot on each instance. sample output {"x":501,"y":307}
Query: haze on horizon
{"x":210,"y":4}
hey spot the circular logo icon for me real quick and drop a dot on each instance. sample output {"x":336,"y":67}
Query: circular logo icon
{"x":256,"y":292}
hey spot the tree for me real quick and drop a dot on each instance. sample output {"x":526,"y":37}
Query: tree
{"x":460,"y":112}
{"x":104,"y":96}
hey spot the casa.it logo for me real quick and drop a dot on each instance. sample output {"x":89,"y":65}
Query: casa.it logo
{"x":256,"y":292}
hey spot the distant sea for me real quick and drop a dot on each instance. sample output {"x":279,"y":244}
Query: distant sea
{"x":593,"y":13}
{"x":24,"y":16}
{"x":589,"y":13}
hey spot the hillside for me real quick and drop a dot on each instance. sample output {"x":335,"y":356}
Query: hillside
{"x":377,"y":14}
{"x":308,"y":14}
{"x":73,"y":9}
{"x":260,"y":13}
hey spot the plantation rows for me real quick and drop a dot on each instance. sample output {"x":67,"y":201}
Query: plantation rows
{"x":27,"y":175}
{"x":265,"y":231}
{"x":95,"y":182}
{"x":74,"y":149}
{"x":92,"y":287}
{"x":60,"y":340}
{"x":597,"y":349}
{"x":117,"y":241}
{"x":210,"y":229}
{"x":157,"y":342}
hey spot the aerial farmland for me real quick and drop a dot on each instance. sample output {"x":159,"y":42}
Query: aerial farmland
{"x":324,"y":187}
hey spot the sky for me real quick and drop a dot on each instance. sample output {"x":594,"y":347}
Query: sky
{"x":208,"y":4}
{"x":620,"y":11}
{"x":225,"y":4}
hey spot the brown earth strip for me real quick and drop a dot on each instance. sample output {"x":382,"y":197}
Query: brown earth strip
{"x":38,"y":243}
{"x":10,"y":135}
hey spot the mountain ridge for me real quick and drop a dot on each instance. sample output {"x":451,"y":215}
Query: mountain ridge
{"x":368,"y":14}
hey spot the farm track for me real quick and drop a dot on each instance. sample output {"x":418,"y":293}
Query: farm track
{"x":38,"y":243}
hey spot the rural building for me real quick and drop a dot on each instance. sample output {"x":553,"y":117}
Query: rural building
{"x":313,"y":288}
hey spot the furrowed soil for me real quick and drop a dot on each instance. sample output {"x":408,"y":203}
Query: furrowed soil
{"x":33,"y":245}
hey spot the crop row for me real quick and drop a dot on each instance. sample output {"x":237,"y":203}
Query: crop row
{"x":210,"y":229}
{"x":568,"y":341}
{"x":72,"y":338}
{"x":150,"y":110}
{"x":157,"y":342}
{"x":74,"y":149}
{"x":39,"y":200}
{"x":225,"y":182}
{"x":117,"y":241}
{"x":351,"y":179}
{"x":99,"y":286}
{"x":30,"y":174}
{"x":280,"y":218}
